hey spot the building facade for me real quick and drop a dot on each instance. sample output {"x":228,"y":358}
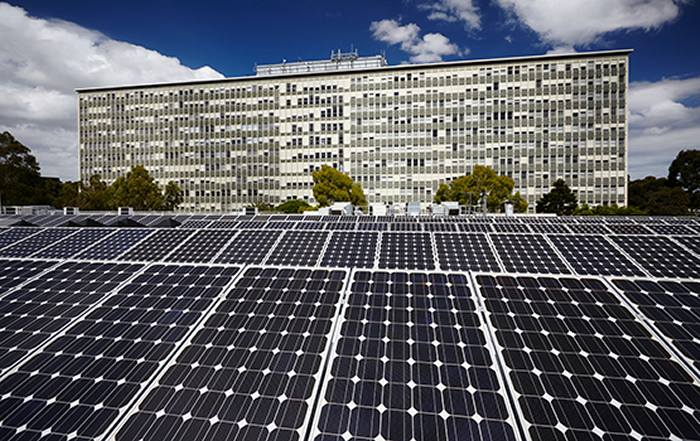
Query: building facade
{"x":398,"y":130}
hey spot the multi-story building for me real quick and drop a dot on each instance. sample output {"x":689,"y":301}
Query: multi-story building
{"x":398,"y":130}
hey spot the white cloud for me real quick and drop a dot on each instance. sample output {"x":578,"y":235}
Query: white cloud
{"x":454,"y":10}
{"x":428,"y":48}
{"x":42,"y":62}
{"x":571,"y":23}
{"x":661,"y":124}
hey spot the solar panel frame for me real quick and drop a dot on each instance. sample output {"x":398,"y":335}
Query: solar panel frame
{"x":32,"y":244}
{"x":109,"y":387}
{"x":660,"y":256}
{"x":244,"y":282}
{"x":574,"y":368}
{"x":369,"y":375}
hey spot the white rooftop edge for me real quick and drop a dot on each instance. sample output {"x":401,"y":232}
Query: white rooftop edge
{"x":377,"y":69}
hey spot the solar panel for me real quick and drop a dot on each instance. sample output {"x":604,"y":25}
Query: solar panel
{"x":690,"y":242}
{"x":659,"y":256}
{"x":435,"y":226}
{"x":673,"y":307}
{"x":36,"y":311}
{"x":34,"y":243}
{"x":588,"y":229}
{"x":511,"y":228}
{"x":201,"y":247}
{"x":341,"y":226}
{"x":299,"y":248}
{"x":406,"y":251}
{"x":465,"y":251}
{"x":527,"y":253}
{"x":249,"y":246}
{"x":351,"y":249}
{"x":251,"y":371}
{"x":74,"y":244}
{"x":475,"y":228}
{"x":668,"y":230}
{"x":196,"y":223}
{"x":371,"y":226}
{"x":114,"y":245}
{"x":15,"y":272}
{"x":80,"y":383}
{"x":629,"y":229}
{"x":12,"y":235}
{"x":157,"y":245}
{"x":582,"y":368}
{"x":405,"y":226}
{"x":589,"y":254}
{"x":411,"y":363}
{"x":223,"y":224}
{"x":549,"y":228}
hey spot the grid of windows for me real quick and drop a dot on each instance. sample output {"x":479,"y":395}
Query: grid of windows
{"x":399,"y":131}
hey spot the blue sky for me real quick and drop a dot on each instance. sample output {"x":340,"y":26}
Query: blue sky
{"x":156,"y":41}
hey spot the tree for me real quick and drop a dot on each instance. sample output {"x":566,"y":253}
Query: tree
{"x":293,"y":206}
{"x":20,"y":181}
{"x":684,"y":172}
{"x":331,"y":185}
{"x":468,"y":189}
{"x":657,"y":196}
{"x":137,"y":190}
{"x":96,"y":195}
{"x":607,"y":210}
{"x":173,"y":196}
{"x":560,"y":200}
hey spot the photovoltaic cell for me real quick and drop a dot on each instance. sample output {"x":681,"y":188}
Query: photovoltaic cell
{"x":34,"y":243}
{"x":406,"y":251}
{"x":250,"y":373}
{"x":74,"y":244}
{"x":549,"y":228}
{"x":82,"y":381}
{"x":114,"y":245}
{"x":157,"y":245}
{"x":588,"y":229}
{"x":249,"y":246}
{"x":690,"y":242}
{"x":351,"y":249}
{"x":465,"y":251}
{"x":475,"y":228}
{"x":15,"y":272}
{"x":511,"y":228}
{"x":673,"y":307}
{"x":300,"y":248}
{"x":527,"y":253}
{"x":581,"y":366}
{"x":12,"y":235}
{"x":201,"y":247}
{"x":660,"y":256}
{"x":411,"y":363}
{"x":667,"y":230}
{"x":629,"y":229}
{"x":594,"y":255}
{"x":34,"y":312}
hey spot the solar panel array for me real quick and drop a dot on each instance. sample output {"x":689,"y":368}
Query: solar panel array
{"x":329,"y":328}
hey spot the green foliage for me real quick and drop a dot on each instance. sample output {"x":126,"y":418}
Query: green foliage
{"x":560,"y":200}
{"x":468,"y":189}
{"x":263,"y":206}
{"x":657,"y":196}
{"x":20,"y":181}
{"x":293,"y":206}
{"x":685,"y":173}
{"x":607,"y":210}
{"x":173,"y":195}
{"x":137,"y":190}
{"x":96,"y":195}
{"x":331,"y":185}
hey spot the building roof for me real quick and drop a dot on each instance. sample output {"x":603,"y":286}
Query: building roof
{"x":398,"y":67}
